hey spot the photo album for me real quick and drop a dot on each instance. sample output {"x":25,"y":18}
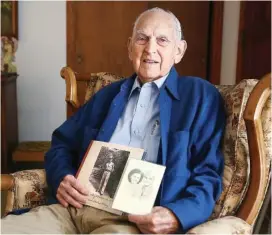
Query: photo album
{"x":118,"y":180}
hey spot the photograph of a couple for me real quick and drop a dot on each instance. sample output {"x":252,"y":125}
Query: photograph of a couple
{"x":139,"y":186}
{"x":140,"y":183}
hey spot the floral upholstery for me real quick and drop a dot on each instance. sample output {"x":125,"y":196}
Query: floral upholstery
{"x":267,"y":133}
{"x":235,"y":149}
{"x":29,"y":190}
{"x":98,"y":81}
{"x":267,"y":123}
{"x":225,"y":225}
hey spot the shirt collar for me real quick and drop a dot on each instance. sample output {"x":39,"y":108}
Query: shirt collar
{"x":158,"y":82}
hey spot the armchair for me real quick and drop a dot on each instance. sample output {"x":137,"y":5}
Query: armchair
{"x":246,"y":147}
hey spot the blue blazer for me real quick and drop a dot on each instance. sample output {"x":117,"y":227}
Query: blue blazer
{"x":192,"y":123}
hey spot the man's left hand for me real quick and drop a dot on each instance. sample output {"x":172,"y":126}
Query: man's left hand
{"x":160,"y":220}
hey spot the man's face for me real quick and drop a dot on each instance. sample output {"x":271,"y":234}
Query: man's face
{"x":135,"y":178}
{"x":110,"y":157}
{"x":154,"y":48}
{"x":148,"y":180}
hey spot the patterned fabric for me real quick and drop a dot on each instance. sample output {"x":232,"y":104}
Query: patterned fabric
{"x":267,"y":132}
{"x":226,"y":225}
{"x":98,"y":81}
{"x":267,"y":124}
{"x":9,"y":47}
{"x":29,"y":189}
{"x":235,"y":147}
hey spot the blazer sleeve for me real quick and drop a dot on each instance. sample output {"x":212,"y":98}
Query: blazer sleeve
{"x":62,"y":157}
{"x":206,"y":163}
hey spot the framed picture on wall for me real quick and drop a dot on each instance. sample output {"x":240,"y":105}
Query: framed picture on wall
{"x":9,"y":19}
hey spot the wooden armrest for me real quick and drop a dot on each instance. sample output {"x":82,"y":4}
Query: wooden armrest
{"x":7,"y":182}
{"x":255,"y":194}
{"x":71,"y":86}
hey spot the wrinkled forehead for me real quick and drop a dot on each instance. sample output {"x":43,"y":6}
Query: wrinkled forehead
{"x":155,"y":23}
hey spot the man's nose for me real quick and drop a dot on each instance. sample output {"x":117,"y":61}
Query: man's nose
{"x":151,"y":46}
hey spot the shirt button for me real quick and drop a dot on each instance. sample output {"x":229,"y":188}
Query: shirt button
{"x":142,"y":105}
{"x":136,"y":132}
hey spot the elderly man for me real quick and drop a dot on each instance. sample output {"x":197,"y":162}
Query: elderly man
{"x":179,"y":122}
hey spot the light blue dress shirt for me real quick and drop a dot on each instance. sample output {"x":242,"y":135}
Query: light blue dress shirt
{"x":139,"y":125}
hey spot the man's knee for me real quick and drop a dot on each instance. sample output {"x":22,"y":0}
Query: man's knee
{"x":43,"y":219}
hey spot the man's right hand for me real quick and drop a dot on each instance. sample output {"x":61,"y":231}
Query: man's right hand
{"x":71,"y":192}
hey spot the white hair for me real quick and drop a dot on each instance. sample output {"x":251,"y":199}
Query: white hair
{"x":178,"y":27}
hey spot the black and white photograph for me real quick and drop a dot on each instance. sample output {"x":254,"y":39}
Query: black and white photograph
{"x":101,"y":172}
{"x":107,"y":171}
{"x":138,"y":187}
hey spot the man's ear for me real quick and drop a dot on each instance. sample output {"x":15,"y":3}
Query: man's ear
{"x":129,"y":46}
{"x":180,"y":51}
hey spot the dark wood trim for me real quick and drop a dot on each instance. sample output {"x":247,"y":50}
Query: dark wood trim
{"x":215,"y":42}
{"x":240,"y":43}
{"x":4,"y":142}
{"x":259,"y":172}
{"x":252,"y":39}
{"x":70,"y":34}
{"x":14,"y":15}
{"x":15,"y":19}
{"x":71,"y":43}
{"x":9,"y":120}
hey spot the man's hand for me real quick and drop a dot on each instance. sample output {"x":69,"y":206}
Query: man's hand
{"x":160,"y":220}
{"x":70,"y":191}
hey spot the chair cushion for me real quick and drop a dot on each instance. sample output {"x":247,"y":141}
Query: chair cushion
{"x":225,"y":225}
{"x":235,"y":148}
{"x":98,"y":81}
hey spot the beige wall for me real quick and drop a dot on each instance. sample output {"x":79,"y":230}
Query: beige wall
{"x":230,"y":42}
{"x":41,"y":53}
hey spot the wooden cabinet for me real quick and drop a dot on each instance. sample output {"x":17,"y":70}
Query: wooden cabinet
{"x":254,"y":44}
{"x":98,"y":32}
{"x":9,"y":120}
